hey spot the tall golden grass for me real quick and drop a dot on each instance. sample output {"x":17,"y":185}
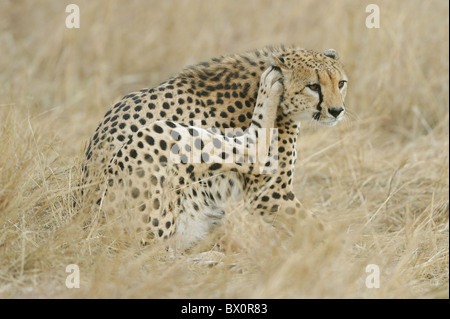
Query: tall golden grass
{"x":380,"y":180}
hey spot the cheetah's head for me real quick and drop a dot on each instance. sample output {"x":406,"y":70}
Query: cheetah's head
{"x":315,"y":86}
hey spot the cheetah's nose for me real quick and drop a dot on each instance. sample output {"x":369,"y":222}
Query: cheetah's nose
{"x":335,"y":111}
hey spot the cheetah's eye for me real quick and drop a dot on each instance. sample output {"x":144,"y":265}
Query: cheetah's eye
{"x":341,"y":84}
{"x":314,"y":87}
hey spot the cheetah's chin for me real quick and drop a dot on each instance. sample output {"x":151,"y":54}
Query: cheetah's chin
{"x":329,"y":122}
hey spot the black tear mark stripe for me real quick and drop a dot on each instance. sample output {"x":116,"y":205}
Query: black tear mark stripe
{"x":319,"y":105}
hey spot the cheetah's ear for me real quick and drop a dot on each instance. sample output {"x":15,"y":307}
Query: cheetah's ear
{"x":278,"y":61}
{"x":331,"y":53}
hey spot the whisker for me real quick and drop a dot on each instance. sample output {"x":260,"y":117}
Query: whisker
{"x":352,"y":114}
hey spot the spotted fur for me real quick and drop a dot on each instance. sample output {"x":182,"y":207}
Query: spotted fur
{"x":133,"y":164}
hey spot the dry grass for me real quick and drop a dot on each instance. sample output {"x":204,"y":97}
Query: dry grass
{"x":381,"y":179}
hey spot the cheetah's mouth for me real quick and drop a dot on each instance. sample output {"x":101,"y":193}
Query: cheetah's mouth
{"x":326,"y":121}
{"x":329,"y":122}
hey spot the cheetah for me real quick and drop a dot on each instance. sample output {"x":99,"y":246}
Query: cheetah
{"x":239,"y":113}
